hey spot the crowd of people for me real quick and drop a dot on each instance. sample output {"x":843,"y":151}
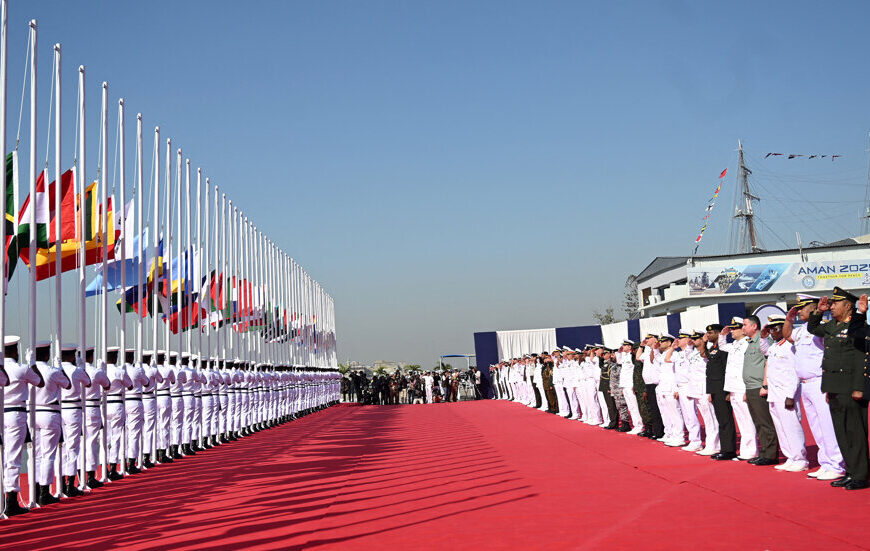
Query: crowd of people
{"x":696,"y":390}
{"x":410,"y":388}
{"x":128,"y":416}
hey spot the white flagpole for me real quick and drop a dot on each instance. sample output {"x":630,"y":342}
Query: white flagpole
{"x":140,"y":248}
{"x":167,"y":244}
{"x":189,"y":280}
{"x":57,"y":196}
{"x":181,"y":250}
{"x":198,"y":271}
{"x":225,"y":280}
{"x":122,"y":167}
{"x":122,"y":340}
{"x":82,"y":237}
{"x":31,"y":459}
{"x":211,"y":278}
{"x":234,"y":335}
{"x":155,"y":243}
{"x":4,"y":6}
{"x":103,"y":236}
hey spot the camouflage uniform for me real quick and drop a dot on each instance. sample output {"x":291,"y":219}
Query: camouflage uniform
{"x":621,"y":406}
{"x":639,"y":388}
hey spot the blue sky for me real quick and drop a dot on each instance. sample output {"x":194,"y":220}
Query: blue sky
{"x":450,"y":167}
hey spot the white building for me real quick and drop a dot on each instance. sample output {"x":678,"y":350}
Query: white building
{"x":672,"y":284}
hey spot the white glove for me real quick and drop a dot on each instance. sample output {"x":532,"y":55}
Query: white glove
{"x":28,"y":358}
{"x":80,"y":363}
{"x":101,"y":364}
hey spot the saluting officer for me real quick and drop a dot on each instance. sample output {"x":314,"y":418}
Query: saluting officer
{"x":843,"y":381}
{"x":71,"y":414}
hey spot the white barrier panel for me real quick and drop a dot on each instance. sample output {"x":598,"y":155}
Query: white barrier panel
{"x":656,"y":325}
{"x":614,"y":333}
{"x":512,"y":344}
{"x":697,"y":319}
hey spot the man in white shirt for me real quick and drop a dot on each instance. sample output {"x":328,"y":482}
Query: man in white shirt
{"x":666,"y":391}
{"x":115,"y":410}
{"x":134,"y":409}
{"x":736,"y":388}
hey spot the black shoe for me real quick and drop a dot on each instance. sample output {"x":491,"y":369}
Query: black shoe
{"x":763,"y":462}
{"x":92,"y":481}
{"x":644,"y":433}
{"x":187,"y":450}
{"x":723,"y":456}
{"x":70,"y":488}
{"x":45,"y":498}
{"x":146,"y":461}
{"x":115,"y":472}
{"x":842,"y":482}
{"x":174,"y":453}
{"x":132,"y":468}
{"x":612,"y":426}
{"x":857,"y":485}
{"x":12,"y":506}
{"x":623,"y":428}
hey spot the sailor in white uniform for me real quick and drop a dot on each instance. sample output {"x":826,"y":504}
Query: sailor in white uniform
{"x":783,"y":392}
{"x":21,"y":377}
{"x":49,"y":425}
{"x":72,"y":416}
{"x":94,"y":415}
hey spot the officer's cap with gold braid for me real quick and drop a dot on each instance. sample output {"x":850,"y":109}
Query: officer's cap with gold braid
{"x":803,"y":300}
{"x":774,"y":320}
{"x":736,"y":323}
{"x":842,"y":294}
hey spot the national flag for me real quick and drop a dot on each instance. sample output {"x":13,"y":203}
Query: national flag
{"x":11,"y":207}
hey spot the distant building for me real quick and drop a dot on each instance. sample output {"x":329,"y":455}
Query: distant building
{"x":672,"y":284}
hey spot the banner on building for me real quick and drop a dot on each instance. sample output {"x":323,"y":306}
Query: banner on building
{"x":795,"y":277}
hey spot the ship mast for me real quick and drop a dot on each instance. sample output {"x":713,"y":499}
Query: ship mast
{"x":748,"y":241}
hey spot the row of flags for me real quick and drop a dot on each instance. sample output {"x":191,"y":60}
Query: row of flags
{"x":709,"y":210}
{"x":212,"y":298}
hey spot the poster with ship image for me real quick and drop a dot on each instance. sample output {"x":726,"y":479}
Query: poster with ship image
{"x":793,"y":277}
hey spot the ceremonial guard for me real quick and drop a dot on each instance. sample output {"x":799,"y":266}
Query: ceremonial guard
{"x":49,"y":424}
{"x":646,"y":353}
{"x":21,"y":377}
{"x":149,"y":409}
{"x":177,"y":394}
{"x":72,"y":417}
{"x":100,"y":383}
{"x":165,"y":380}
{"x":120,"y":382}
{"x":134,"y":409}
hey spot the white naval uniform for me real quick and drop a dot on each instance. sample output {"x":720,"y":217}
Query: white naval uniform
{"x":572,"y":382}
{"x":697,"y":392}
{"x":71,"y":415}
{"x":688,"y":400}
{"x":782,"y":383}
{"x":94,"y":414}
{"x":176,"y":392}
{"x":15,"y":419}
{"x":672,"y":417}
{"x":134,"y":409}
{"x":49,"y":424}
{"x":626,"y":384}
{"x":737,"y":392}
{"x":164,"y":427}
{"x":191,"y":380}
{"x":115,"y":410}
{"x":809,"y":350}
{"x":149,"y":407}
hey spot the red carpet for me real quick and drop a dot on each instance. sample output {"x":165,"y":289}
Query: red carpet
{"x":480,"y":475}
